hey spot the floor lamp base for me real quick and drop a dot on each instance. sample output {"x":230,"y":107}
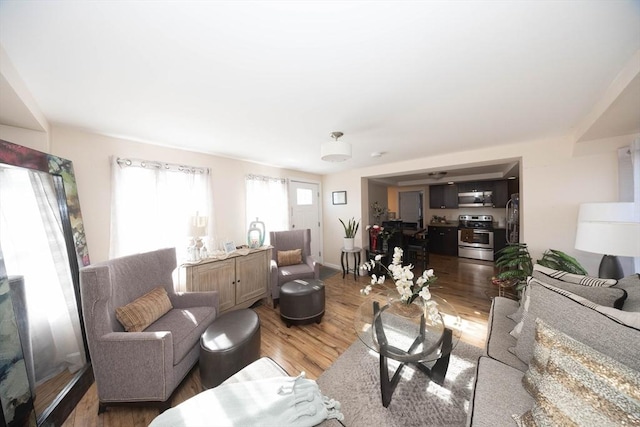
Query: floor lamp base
{"x":610,"y":268}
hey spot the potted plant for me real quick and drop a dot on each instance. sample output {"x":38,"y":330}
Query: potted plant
{"x":350,"y":230}
{"x":516,"y":265}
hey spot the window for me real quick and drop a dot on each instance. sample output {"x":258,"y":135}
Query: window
{"x":267,"y":201}
{"x":304,"y":196}
{"x":154,"y":205}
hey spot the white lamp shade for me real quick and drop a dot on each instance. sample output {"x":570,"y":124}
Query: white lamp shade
{"x":335,"y":151}
{"x":608,"y":228}
{"x":198,"y":226}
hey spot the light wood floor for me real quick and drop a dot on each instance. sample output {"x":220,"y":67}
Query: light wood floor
{"x":313,"y":348}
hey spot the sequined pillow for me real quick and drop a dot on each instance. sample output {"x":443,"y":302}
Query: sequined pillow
{"x":289,"y":257}
{"x":581,"y":386}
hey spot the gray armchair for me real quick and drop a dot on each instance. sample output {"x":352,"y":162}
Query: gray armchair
{"x":142,"y":366}
{"x":286,"y":241}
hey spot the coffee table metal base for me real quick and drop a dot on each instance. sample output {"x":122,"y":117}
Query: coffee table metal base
{"x":437,"y":372}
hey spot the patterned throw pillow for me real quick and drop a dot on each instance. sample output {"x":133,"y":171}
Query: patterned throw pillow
{"x":576,"y":279}
{"x":599,"y":291}
{"x":545,"y":340}
{"x":289,"y":257}
{"x":139,"y":314}
{"x":581,"y":386}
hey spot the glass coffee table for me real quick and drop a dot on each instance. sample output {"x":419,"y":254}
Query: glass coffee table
{"x":385,"y":325}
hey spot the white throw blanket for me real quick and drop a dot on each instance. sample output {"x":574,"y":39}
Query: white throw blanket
{"x":280,"y":401}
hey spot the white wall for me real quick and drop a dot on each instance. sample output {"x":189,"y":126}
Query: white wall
{"x":557,"y":175}
{"x":90,"y":154}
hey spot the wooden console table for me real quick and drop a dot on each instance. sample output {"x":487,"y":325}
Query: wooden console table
{"x":240,"y":280}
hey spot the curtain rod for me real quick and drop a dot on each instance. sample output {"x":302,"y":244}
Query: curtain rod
{"x":123,"y":162}
{"x":253,"y":177}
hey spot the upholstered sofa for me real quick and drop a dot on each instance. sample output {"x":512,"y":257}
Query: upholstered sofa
{"x":146,"y":358}
{"x":528,"y":359}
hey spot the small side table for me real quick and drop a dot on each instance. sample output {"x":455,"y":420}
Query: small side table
{"x":356,"y":260}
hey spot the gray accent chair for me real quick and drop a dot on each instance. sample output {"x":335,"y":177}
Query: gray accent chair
{"x":286,"y":241}
{"x":141,"y":367}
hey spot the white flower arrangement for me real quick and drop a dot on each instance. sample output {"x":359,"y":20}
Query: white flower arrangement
{"x":403,"y":277}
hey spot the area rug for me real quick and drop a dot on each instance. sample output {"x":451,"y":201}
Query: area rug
{"x":354,"y":380}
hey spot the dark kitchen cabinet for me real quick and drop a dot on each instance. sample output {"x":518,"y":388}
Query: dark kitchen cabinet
{"x":472,"y":186}
{"x":499,"y":240}
{"x":443,"y":240}
{"x":443,"y":196}
{"x":502,"y":191}
{"x":500,"y":194}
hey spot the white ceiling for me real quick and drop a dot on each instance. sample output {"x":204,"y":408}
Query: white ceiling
{"x":268,"y":81}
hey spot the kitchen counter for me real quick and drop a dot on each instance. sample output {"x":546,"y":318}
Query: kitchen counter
{"x":444,"y":224}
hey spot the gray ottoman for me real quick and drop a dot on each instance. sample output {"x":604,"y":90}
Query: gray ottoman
{"x":302,"y":301}
{"x":229,"y":344}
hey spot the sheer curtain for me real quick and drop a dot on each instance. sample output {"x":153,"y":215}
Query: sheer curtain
{"x":33,"y":246}
{"x":153,"y":204}
{"x":267,"y":200}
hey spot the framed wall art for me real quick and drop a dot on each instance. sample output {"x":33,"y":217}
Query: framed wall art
{"x":339,"y":197}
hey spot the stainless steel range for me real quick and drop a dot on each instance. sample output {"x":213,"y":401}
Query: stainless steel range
{"x":475,"y":237}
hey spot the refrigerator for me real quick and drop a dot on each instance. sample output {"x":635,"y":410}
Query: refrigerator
{"x":513,"y":219}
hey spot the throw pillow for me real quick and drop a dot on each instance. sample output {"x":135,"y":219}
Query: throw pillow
{"x":515,"y":332}
{"x":601,"y":294}
{"x":631,"y":284}
{"x":581,"y":386}
{"x":139,"y":314}
{"x":517,"y":316}
{"x":576,"y":279}
{"x":581,"y":319}
{"x":545,"y":339}
{"x":292,"y":257}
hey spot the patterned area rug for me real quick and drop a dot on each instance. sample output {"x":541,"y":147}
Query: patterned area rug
{"x":354,"y":380}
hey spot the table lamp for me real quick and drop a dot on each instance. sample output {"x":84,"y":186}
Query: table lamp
{"x":197,"y":229}
{"x":612,"y":229}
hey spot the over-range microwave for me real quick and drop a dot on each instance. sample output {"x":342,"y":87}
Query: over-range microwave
{"x":475,"y":199}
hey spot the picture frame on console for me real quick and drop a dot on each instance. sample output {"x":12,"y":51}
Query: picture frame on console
{"x":229,"y":247}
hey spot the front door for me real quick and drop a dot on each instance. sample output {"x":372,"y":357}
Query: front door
{"x":305,"y":212}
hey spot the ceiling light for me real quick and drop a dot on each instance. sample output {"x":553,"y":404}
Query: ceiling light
{"x":376,"y":154}
{"x":335,"y":151}
{"x":437,"y":175}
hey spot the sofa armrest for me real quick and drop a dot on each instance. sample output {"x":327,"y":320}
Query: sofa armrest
{"x":315,"y":266}
{"x":195,"y":299}
{"x":275,"y":286}
{"x":133,"y":365}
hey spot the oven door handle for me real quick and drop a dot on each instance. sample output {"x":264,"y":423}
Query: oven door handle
{"x":482,"y":231}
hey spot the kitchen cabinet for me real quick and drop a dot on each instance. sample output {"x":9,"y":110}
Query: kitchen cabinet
{"x":443,"y":196}
{"x":500,"y":194}
{"x":473,"y":186}
{"x":499,"y":240}
{"x":443,"y":240}
{"x":240,"y":280}
{"x":502,"y":191}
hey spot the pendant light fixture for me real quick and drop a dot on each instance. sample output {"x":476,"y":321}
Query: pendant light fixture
{"x":335,"y":151}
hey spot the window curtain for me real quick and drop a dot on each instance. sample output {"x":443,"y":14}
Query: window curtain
{"x":267,"y":200}
{"x":33,"y":246}
{"x":153,"y":205}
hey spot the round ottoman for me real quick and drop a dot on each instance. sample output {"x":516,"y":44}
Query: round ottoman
{"x":302,"y":302}
{"x":229,"y":344}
